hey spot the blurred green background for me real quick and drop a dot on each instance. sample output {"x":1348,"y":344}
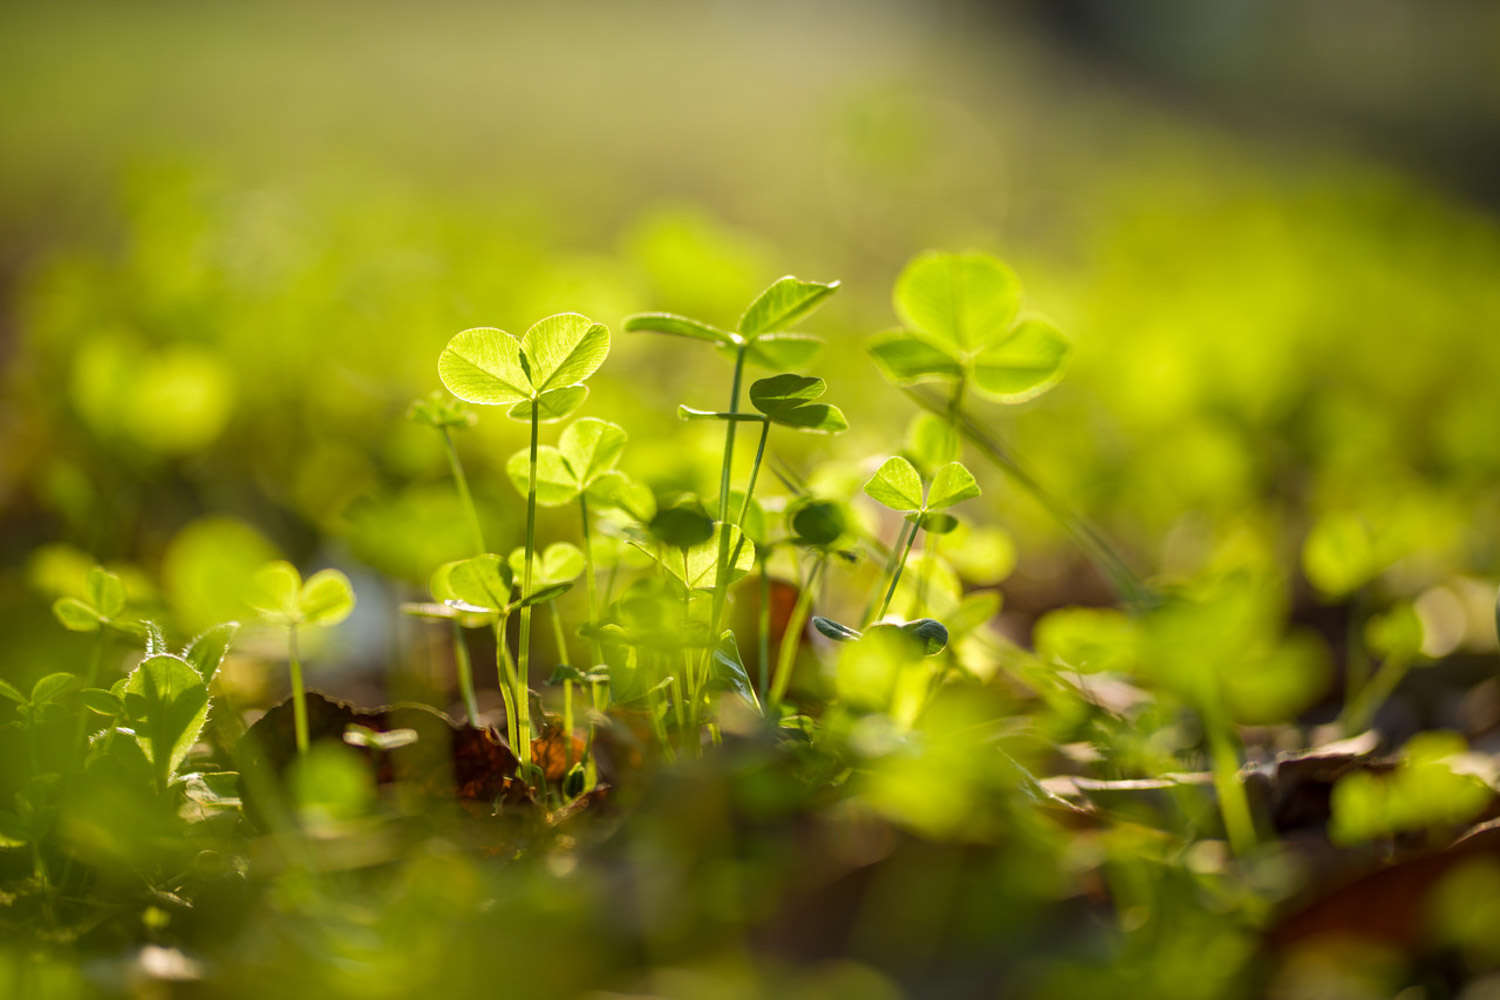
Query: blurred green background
{"x":233,"y":240}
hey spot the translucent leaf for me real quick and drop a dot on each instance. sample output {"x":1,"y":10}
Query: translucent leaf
{"x":74,"y":615}
{"x":1396,"y":633}
{"x":697,"y":568}
{"x":439,"y":410}
{"x":729,"y":670}
{"x":591,"y":447}
{"x":273,"y":591}
{"x":106,"y":592}
{"x":983,"y":556}
{"x":950,"y":485}
{"x":679,"y":326}
{"x":52,"y":687}
{"x":616,"y":489}
{"x":560,"y":562}
{"x":905,"y":358}
{"x":331,"y":785}
{"x":564,"y":350}
{"x":781,"y":305}
{"x":482,"y":581}
{"x":783,"y":350}
{"x":896,"y":485}
{"x":9,"y":690}
{"x":555,"y":482}
{"x":1340,"y":555}
{"x":173,"y":706}
{"x":483,"y":365}
{"x":205,"y":653}
{"x":964,"y":301}
{"x":326,"y":598}
{"x":753,"y":523}
{"x":554,"y":404}
{"x":1089,"y":640}
{"x":1026,"y":364}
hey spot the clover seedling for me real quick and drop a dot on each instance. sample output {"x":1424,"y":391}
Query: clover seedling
{"x":959,"y":317}
{"x":897,"y":485}
{"x":278,"y":592}
{"x":539,"y":377}
{"x":763,"y":336}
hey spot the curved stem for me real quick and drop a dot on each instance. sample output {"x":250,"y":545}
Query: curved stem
{"x":1360,"y":710}
{"x":464,"y":496}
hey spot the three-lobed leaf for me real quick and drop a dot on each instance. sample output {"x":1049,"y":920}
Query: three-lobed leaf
{"x":327,"y":598}
{"x":560,"y":562}
{"x":965,"y":302}
{"x":480,"y":583}
{"x":555,"y":482}
{"x":1025,"y":364}
{"x":591,"y":447}
{"x":278,"y":593}
{"x":551,"y":404}
{"x":906,"y":358}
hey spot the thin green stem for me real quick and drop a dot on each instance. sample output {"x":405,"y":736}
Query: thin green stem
{"x":911,"y":537}
{"x":1360,"y":710}
{"x":729,"y":428}
{"x":507,"y":675}
{"x":787,"y":654}
{"x":465,"y":674}
{"x":299,"y":696}
{"x":1234,"y":806}
{"x":590,"y":584}
{"x":890,"y":567}
{"x":523,"y":680}
{"x":464,"y":496}
{"x":561,"y":639}
{"x":764,"y":628}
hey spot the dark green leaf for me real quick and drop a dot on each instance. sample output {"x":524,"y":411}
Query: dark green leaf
{"x":101,"y":701}
{"x":818,"y":522}
{"x":52,"y":687}
{"x":683,"y":524}
{"x":930,"y":632}
{"x":834,"y":630}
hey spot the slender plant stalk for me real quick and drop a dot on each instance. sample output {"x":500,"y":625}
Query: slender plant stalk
{"x":460,"y":650}
{"x":765,"y":627}
{"x":721,"y":588}
{"x":561,"y":639}
{"x":721,"y":580}
{"x":911,"y":537}
{"x":596,"y":650}
{"x":1234,"y":807}
{"x":890,"y":568}
{"x":465,"y":498}
{"x":1360,"y":710}
{"x":507,"y":674}
{"x":299,"y":696}
{"x":787,"y":654}
{"x":523,"y":679}
{"x":465,"y":674}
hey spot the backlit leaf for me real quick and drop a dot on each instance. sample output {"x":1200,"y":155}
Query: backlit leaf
{"x":591,"y":447}
{"x":783,"y":350}
{"x":52,"y":687}
{"x":679,"y":326}
{"x":1024,"y":365}
{"x":729,"y":670}
{"x":205,"y":653}
{"x":564,"y":350}
{"x":483,"y":365}
{"x":964,"y":301}
{"x":786,"y":301}
{"x":326,"y":598}
{"x":273,"y":591}
{"x":553,"y":404}
{"x":951,"y":484}
{"x":106,"y":592}
{"x":787,"y":400}
{"x":555,"y":482}
{"x":172,"y":701}
{"x":75,"y":615}
{"x":905,"y":358}
{"x":482,"y":582}
{"x":896,"y":485}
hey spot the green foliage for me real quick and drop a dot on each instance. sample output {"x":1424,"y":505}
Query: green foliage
{"x":541,"y":373}
{"x":278,"y":594}
{"x":1429,"y":789}
{"x":788,"y":400}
